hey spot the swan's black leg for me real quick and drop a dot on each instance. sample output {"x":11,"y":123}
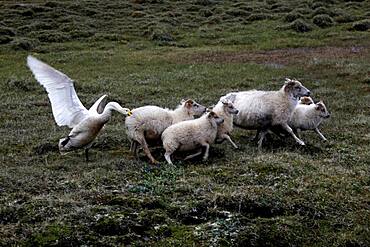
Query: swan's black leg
{"x":87,"y":154}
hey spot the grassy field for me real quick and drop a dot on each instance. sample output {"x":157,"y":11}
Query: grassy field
{"x":158,"y":52}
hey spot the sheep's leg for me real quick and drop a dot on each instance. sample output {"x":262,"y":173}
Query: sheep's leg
{"x":262,"y":136}
{"x":193,"y":155}
{"x":227,"y":137}
{"x":219,"y":140}
{"x":167,"y":156}
{"x":136,"y":149}
{"x":297,"y":132}
{"x":256,"y":138}
{"x":147,"y":152}
{"x":206,"y":152}
{"x":290,"y":131}
{"x":277,"y":132}
{"x":321,"y":135}
{"x":132,"y":146}
{"x":143,"y":143}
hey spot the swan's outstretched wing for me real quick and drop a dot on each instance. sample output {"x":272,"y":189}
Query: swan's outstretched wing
{"x":99,"y":105}
{"x":67,"y":108}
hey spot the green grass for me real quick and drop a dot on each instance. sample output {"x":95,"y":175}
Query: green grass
{"x":316,"y":195}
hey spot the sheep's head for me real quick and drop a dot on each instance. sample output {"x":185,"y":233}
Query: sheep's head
{"x":212,"y":116}
{"x":228,"y":106}
{"x":193,"y":107}
{"x":321,"y":110}
{"x":306,"y":100}
{"x":295,"y":88}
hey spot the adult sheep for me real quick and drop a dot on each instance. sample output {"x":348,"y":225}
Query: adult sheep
{"x":262,"y":110}
{"x":148,"y":122}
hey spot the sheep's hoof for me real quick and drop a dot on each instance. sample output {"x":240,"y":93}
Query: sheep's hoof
{"x":302,"y":144}
{"x":155,"y":162}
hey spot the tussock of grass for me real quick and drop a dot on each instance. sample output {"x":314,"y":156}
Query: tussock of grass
{"x":323,"y":21}
{"x":298,"y":25}
{"x":362,"y":25}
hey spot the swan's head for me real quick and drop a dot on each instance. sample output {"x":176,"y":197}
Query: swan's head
{"x":126,"y":112}
{"x":117,"y":107}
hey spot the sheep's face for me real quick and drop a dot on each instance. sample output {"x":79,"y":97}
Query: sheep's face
{"x":306,"y":100}
{"x":295,"y":88}
{"x":229,"y":106}
{"x":214,"y":117}
{"x":194,"y":108}
{"x":321,"y":110}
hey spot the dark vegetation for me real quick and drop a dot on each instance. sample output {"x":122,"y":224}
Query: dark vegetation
{"x":157,"y":52}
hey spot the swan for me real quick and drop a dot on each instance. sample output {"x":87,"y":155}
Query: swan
{"x":68,"y":109}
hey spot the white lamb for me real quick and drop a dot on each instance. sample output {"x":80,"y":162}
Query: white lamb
{"x":147,"y":123}
{"x":262,"y":110}
{"x":191,"y":135}
{"x":225,"y":109}
{"x":309,"y":117}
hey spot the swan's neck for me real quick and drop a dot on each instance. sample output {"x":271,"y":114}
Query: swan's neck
{"x":107,"y":113}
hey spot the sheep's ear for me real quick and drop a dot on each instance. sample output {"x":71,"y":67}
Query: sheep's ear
{"x":224,"y":101}
{"x":319,"y":106}
{"x":211,"y":114}
{"x":287,"y":80}
{"x":231,"y":97}
{"x":289,"y":85}
{"x":189,"y":103}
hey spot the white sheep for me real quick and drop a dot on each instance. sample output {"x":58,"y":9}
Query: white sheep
{"x":309,"y":117}
{"x":225,"y":109}
{"x":147,"y":123}
{"x":191,"y":135}
{"x":262,"y":110}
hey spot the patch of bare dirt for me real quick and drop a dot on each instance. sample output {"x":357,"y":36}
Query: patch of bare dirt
{"x":279,"y":57}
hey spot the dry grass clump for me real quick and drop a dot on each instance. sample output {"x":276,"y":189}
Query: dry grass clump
{"x":362,"y":25}
{"x":293,"y":15}
{"x":26,"y":44}
{"x":323,"y":21}
{"x":299,"y":25}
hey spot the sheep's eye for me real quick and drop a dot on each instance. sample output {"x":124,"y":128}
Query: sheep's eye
{"x":196,"y":105}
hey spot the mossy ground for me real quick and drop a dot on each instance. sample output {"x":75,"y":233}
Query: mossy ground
{"x":158,"y":52}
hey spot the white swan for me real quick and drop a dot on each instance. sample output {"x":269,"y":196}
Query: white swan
{"x":68,"y":109}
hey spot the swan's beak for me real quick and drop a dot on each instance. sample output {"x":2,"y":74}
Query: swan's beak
{"x":129,"y":113}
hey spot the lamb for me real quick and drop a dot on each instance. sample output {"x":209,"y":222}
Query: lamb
{"x":225,"y":109}
{"x":262,"y":110}
{"x":147,"y":123}
{"x":309,"y":117}
{"x":191,"y":135}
